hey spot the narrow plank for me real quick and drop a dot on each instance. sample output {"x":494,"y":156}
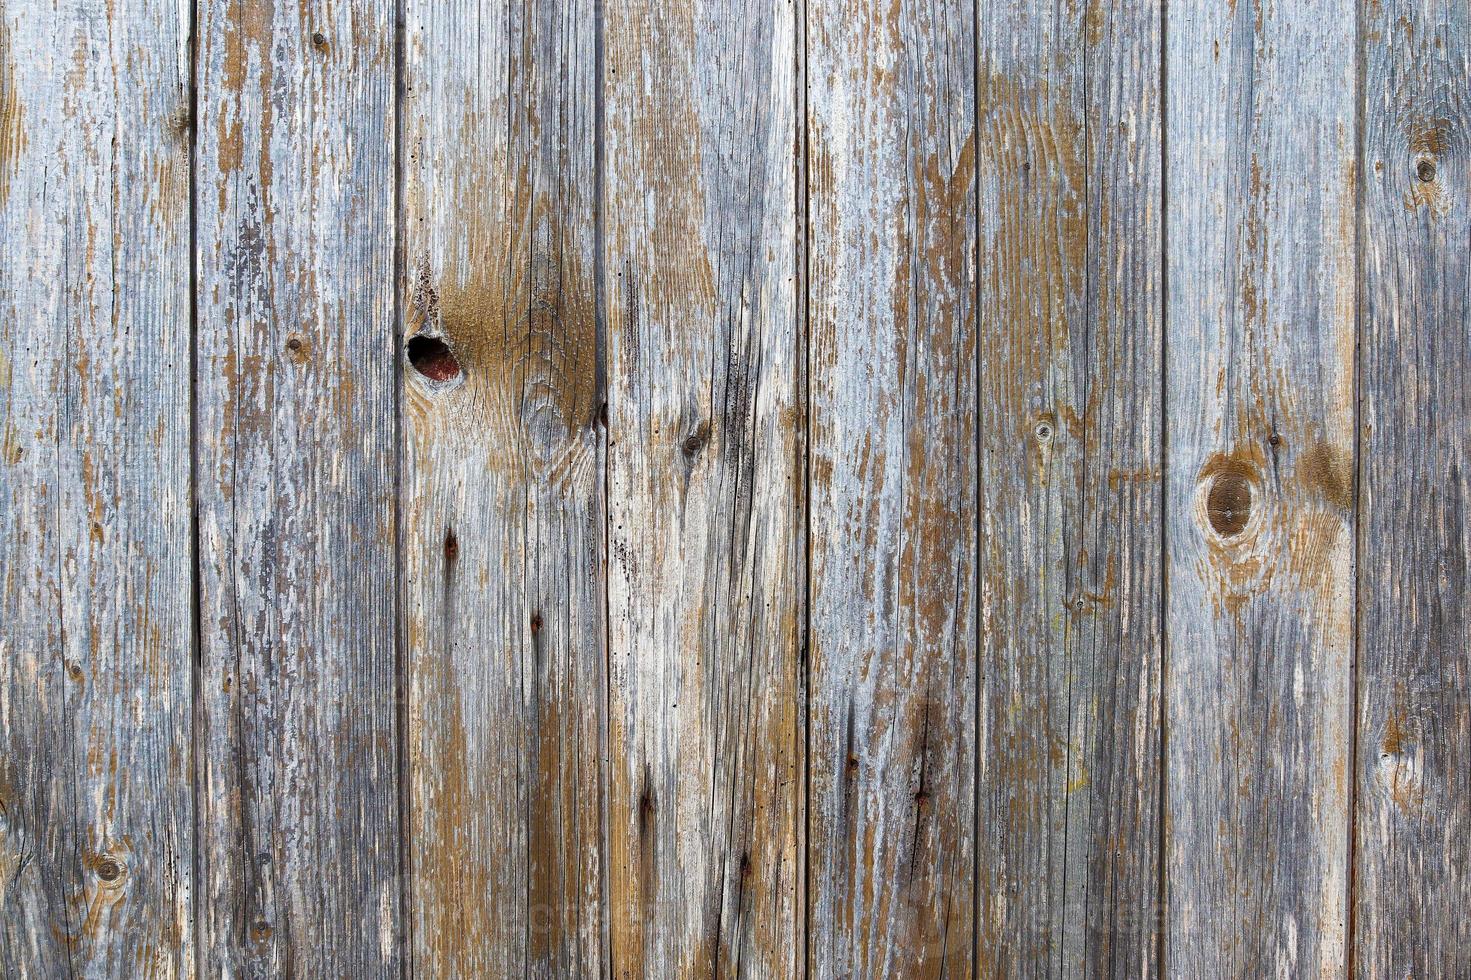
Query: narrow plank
{"x":1070,"y":541}
{"x":503,"y":450}
{"x":96,"y":818}
{"x":892,"y":198}
{"x":295,"y":469}
{"x":1260,"y":527}
{"x":1413,"y":818}
{"x":706,"y":509}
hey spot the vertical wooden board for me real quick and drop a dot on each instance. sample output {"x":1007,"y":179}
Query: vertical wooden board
{"x":1071,"y":298}
{"x":96,"y":823}
{"x":706,"y":504}
{"x":295,"y":477}
{"x":1413,"y":817}
{"x":503,"y":581}
{"x":1260,"y":525}
{"x":891,"y":199}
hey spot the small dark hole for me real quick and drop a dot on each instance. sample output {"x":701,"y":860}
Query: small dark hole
{"x":1229,"y":504}
{"x":432,"y":358}
{"x":1425,"y":170}
{"x":319,"y":39}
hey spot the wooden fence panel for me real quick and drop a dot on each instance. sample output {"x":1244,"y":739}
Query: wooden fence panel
{"x":1413,"y":820}
{"x":1260,"y":512}
{"x":706,"y":516}
{"x":502,"y":493}
{"x":891,"y":199}
{"x":96,"y":821}
{"x":1070,"y":510}
{"x":296,"y":461}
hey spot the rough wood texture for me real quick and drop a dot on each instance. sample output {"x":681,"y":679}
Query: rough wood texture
{"x":295,"y":477}
{"x":1260,"y":529}
{"x":705,"y":556}
{"x":1413,"y":817}
{"x":503,"y":520}
{"x":1070,"y":529}
{"x":892,"y":197}
{"x":96,"y":825}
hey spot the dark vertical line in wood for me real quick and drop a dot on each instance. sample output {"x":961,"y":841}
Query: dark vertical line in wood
{"x":405,"y":891}
{"x":600,"y":403}
{"x":977,"y":573}
{"x":197,"y":758}
{"x":1161,"y":906}
{"x":1350,"y":944}
{"x":803,"y":306}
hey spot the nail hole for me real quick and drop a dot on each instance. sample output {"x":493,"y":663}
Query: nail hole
{"x":1229,"y":503}
{"x":432,"y":358}
{"x":319,"y":39}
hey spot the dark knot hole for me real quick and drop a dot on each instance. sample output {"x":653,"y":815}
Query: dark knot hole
{"x":432,"y":358}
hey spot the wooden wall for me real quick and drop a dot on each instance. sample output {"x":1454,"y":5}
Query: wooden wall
{"x":735,"y":488}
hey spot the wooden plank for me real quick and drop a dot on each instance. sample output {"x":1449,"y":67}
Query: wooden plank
{"x":96,"y":819}
{"x":503,"y":589}
{"x":1413,"y":817}
{"x":1070,"y":475}
{"x":891,"y":198}
{"x":296,"y":469}
{"x":705,"y":524}
{"x":1260,"y":526}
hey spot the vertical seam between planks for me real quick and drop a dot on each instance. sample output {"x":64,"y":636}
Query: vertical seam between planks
{"x":405,"y":931}
{"x":1161,"y":916}
{"x":977,"y":612}
{"x":1360,"y":66}
{"x":196,"y":654}
{"x":600,"y":341}
{"x":804,"y":318}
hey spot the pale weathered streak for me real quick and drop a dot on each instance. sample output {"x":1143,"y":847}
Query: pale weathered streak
{"x":503,"y":480}
{"x":1070,"y":474}
{"x":295,"y":479}
{"x":705,"y":498}
{"x":1413,"y":820}
{"x":1260,"y":430}
{"x":892,"y":197}
{"x":96,"y":827}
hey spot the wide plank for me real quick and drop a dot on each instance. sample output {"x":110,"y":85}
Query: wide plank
{"x":1071,"y":294}
{"x":1260,"y":431}
{"x":96,"y":602}
{"x":705,"y":499}
{"x":296,"y":471}
{"x":1413,"y":815}
{"x":502,"y":491}
{"x":892,"y":311}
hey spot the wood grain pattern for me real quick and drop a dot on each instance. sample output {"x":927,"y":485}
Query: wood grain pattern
{"x":1070,"y":475}
{"x":296,"y":476}
{"x":96,"y":823}
{"x":1413,"y":818}
{"x":1260,"y":527}
{"x":892,"y":198}
{"x":503,"y":589}
{"x":705,"y":552}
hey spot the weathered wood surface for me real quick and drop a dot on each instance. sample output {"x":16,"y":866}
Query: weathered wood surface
{"x":1070,"y":533}
{"x":892,"y":359}
{"x":1413,"y":816}
{"x":502,"y":492}
{"x":96,"y":820}
{"x":295,"y":470}
{"x":705,"y":560}
{"x":734,"y":488}
{"x":1259,"y":423}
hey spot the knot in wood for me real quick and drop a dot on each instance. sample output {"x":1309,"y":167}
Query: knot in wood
{"x":1228,"y":503}
{"x":1425,"y":170}
{"x":432,"y":358}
